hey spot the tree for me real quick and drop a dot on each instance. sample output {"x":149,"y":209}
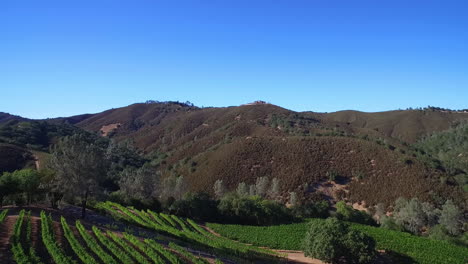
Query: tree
{"x":311,"y":210}
{"x":252,"y":210}
{"x":198,"y":206}
{"x":450,"y":217}
{"x":8,"y":185}
{"x":274,"y":189}
{"x":410,"y":215}
{"x":332,"y":241}
{"x":219,"y":189}
{"x":293,"y":200}
{"x":348,"y":213}
{"x":261,"y":186}
{"x":252,"y":190}
{"x":80,"y":166}
{"x":139,"y":183}
{"x":29,"y":181}
{"x":172,"y":186}
{"x":242,"y":189}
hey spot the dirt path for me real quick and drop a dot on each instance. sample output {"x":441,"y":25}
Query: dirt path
{"x":6,"y":230}
{"x":298,"y":257}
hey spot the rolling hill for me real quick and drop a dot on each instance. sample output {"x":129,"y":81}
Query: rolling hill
{"x":371,"y":153}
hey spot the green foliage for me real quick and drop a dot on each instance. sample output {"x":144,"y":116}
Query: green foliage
{"x":145,"y":248}
{"x":347,"y":213}
{"x":34,"y":134}
{"x":450,"y":218}
{"x":139,"y":183}
{"x":451,"y":147}
{"x":112,"y":247}
{"x":404,"y":247}
{"x":173,"y":259}
{"x":198,"y":206}
{"x":8,"y":185}
{"x":79,"y":250}
{"x":185,"y":230}
{"x":389,"y":223}
{"x":252,"y":210}
{"x":29,"y":181}
{"x":184,"y":252}
{"x":332,"y":241}
{"x":127,"y":248}
{"x":80,"y":165}
{"x":32,"y":251}
{"x":94,"y":245}
{"x":410,"y":215}
{"x":50,"y":241}
{"x":3,"y":215}
{"x":309,"y":210}
{"x":19,"y":254}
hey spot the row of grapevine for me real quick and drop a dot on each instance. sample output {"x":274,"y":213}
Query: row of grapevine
{"x":190,"y":232}
{"x":3,"y":215}
{"x":194,"y":259}
{"x":127,"y":248}
{"x":145,"y":248}
{"x":94,"y":245}
{"x":112,"y":247}
{"x":19,"y":255}
{"x":79,"y":250}
{"x":173,"y":259}
{"x":32,"y":252}
{"x":50,"y":243}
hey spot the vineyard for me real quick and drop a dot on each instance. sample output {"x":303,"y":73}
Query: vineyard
{"x":169,"y":239}
{"x":404,"y":247}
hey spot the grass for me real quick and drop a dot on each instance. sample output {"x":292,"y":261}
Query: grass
{"x":405,"y":247}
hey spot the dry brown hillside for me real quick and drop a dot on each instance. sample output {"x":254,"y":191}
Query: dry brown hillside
{"x":242,"y":143}
{"x":406,"y":125}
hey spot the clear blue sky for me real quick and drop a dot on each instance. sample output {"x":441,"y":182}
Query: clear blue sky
{"x":60,"y":58}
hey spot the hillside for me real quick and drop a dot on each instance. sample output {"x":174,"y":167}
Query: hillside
{"x":371,"y":153}
{"x":5,"y":117}
{"x":406,"y":125}
{"x":239,"y":144}
{"x":14,"y":158}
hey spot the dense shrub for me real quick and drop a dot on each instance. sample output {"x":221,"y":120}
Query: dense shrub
{"x":311,"y":210}
{"x":252,"y":210}
{"x":333,"y":241}
{"x":198,"y":206}
{"x":348,"y":213}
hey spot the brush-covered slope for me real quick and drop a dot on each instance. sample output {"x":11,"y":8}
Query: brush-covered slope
{"x":14,"y":158}
{"x":406,"y":125}
{"x":5,"y":117}
{"x":239,"y":144}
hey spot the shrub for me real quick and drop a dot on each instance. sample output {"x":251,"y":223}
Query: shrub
{"x":198,"y":206}
{"x":348,"y":213}
{"x":253,"y":210}
{"x":450,"y":218}
{"x":311,"y":210}
{"x":332,"y":241}
{"x":388,"y":222}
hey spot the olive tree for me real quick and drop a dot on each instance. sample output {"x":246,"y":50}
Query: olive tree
{"x":450,"y":217}
{"x":139,"y":183}
{"x":219,"y":189}
{"x":80,"y":166}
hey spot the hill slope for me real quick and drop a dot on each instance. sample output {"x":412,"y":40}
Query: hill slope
{"x":239,"y":144}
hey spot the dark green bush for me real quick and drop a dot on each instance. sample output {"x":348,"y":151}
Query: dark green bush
{"x":311,"y":210}
{"x":333,"y":241}
{"x":347,"y":213}
{"x":253,"y":210}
